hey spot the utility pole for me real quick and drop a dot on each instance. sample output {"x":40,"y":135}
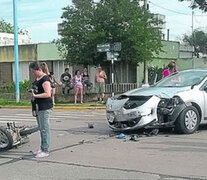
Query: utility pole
{"x":145,"y":62}
{"x":146,"y":4}
{"x":168,"y":34}
{"x":16,"y":57}
{"x":112,"y":72}
{"x":116,"y":46}
{"x":193,"y":39}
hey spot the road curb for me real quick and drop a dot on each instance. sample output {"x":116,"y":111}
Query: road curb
{"x":79,"y":108}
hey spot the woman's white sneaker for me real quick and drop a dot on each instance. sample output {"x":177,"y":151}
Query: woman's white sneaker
{"x":36,"y":151}
{"x":42,"y":154}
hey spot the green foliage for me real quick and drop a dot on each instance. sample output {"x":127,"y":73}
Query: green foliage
{"x":6,"y":27}
{"x":198,"y":40}
{"x":24,"y":86}
{"x":6,"y":102}
{"x":86,"y":24}
{"x":10,"y":87}
{"x":201,"y":4}
{"x":155,"y":73}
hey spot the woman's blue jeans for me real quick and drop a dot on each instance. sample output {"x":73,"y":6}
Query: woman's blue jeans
{"x":44,"y":128}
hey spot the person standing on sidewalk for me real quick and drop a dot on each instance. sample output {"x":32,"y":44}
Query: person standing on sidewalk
{"x":65,"y":78}
{"x":100,"y":78}
{"x":87,"y":85}
{"x":54,"y":83}
{"x":42,"y":96}
{"x":78,"y":86}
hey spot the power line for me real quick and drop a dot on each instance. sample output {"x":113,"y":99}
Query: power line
{"x":173,"y":10}
{"x":168,"y":9}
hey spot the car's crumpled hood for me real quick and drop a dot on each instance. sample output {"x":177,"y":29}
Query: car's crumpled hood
{"x":162,"y":92}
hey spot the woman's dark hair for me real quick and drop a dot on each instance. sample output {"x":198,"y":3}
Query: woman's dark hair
{"x":77,"y":71}
{"x":51,"y":73}
{"x":35,"y":65}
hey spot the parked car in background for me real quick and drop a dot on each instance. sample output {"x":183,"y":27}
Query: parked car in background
{"x":179,"y":101}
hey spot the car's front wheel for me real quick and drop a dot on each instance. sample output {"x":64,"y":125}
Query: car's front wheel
{"x":188,"y":120}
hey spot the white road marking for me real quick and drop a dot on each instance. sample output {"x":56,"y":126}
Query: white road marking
{"x":15,"y":120}
{"x":56,"y":115}
{"x":21,"y":117}
{"x":17,"y":117}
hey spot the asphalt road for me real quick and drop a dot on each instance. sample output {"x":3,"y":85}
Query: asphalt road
{"x":79,"y":152}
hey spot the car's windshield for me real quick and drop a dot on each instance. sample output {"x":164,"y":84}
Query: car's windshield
{"x":182,"y":79}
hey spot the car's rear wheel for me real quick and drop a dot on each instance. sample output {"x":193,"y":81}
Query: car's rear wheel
{"x":188,"y":121}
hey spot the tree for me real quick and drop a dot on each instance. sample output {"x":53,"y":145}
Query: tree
{"x":86,"y":24}
{"x":5,"y":27}
{"x":8,"y":28}
{"x":201,"y":4}
{"x":198,"y":40}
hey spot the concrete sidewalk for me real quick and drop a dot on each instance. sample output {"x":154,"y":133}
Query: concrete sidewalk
{"x":77,"y":107}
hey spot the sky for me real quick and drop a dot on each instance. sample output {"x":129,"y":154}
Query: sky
{"x":40,"y":17}
{"x":178,"y":17}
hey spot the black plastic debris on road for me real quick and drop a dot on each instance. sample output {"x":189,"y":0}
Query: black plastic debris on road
{"x":134,"y":138}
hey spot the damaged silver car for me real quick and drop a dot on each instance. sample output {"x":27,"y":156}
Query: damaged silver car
{"x":178,"y":101}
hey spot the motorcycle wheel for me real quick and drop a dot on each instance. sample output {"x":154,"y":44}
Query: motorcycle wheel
{"x":28,"y":130}
{"x":6,"y":140}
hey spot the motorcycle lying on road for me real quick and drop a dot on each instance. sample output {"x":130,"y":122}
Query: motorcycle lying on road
{"x":13,"y":135}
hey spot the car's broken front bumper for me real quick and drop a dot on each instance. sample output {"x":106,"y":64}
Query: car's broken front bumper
{"x":169,"y":109}
{"x":120,"y":118}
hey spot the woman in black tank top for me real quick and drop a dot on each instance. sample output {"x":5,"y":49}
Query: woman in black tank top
{"x":42,"y":96}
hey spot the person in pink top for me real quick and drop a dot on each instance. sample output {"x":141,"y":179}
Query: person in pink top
{"x":78,"y":86}
{"x":170,"y":70}
{"x":100,"y":78}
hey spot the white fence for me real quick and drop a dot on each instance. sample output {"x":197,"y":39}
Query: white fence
{"x":120,"y":88}
{"x":117,"y":88}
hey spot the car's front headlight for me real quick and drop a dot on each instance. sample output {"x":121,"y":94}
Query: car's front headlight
{"x":119,"y":97}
